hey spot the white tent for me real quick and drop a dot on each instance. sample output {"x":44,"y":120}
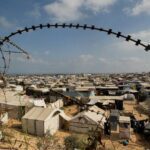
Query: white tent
{"x":86,"y":121}
{"x":40,"y":121}
{"x":39,"y":103}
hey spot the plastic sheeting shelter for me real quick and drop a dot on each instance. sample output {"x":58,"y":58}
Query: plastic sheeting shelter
{"x":114,"y":118}
{"x":124,"y":127}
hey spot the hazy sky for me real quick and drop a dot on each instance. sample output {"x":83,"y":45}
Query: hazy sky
{"x":67,"y":50}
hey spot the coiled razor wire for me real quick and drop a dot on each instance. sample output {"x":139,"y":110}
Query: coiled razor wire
{"x":6,"y":39}
{"x":77,"y":26}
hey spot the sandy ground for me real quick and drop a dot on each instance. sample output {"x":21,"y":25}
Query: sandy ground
{"x":15,"y":139}
{"x":135,"y":143}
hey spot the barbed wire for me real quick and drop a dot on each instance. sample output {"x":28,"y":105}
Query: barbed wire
{"x":77,"y":26}
{"x":6,"y":51}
